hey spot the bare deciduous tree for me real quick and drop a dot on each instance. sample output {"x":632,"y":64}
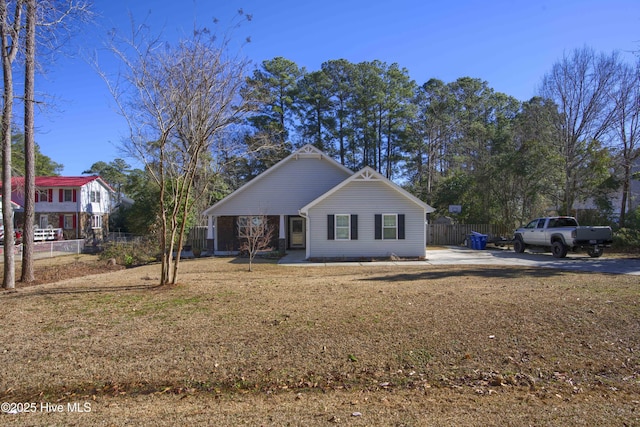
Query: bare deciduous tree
{"x":177,"y":101}
{"x":626,"y":127}
{"x":255,"y":234}
{"x":579,"y":84}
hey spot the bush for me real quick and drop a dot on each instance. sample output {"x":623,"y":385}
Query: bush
{"x":627,"y":240}
{"x":131,"y":254}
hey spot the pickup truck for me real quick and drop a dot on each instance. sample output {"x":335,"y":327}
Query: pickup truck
{"x":561,"y":234}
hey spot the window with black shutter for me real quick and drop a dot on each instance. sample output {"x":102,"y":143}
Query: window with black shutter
{"x":389,"y":227}
{"x":342,"y":227}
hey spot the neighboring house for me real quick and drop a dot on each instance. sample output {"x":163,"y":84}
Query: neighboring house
{"x":80,"y":206}
{"x":14,"y":206}
{"x":316,"y":204}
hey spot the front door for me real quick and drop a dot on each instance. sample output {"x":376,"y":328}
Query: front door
{"x":296,"y":233}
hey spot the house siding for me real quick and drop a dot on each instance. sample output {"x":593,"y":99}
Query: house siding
{"x":96,"y":208}
{"x":53,"y":210}
{"x":366,"y":199}
{"x":284,"y":190}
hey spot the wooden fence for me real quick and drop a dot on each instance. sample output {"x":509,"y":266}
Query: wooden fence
{"x":444,"y":234}
{"x":197,"y":237}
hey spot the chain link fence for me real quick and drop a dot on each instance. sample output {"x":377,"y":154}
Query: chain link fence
{"x":52,"y":249}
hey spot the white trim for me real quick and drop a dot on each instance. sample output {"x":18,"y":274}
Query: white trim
{"x":96,"y":221}
{"x":306,"y":151}
{"x":210,"y":234}
{"x":395,"y":215}
{"x":281,"y":230}
{"x":335,"y":227}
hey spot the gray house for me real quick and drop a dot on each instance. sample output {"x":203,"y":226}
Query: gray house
{"x":317,"y":205}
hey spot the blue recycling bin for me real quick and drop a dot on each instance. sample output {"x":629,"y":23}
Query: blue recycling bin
{"x":478,"y":241}
{"x":474,"y":241}
{"x":482,"y":242}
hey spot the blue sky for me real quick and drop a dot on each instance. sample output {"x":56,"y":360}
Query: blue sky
{"x":509,"y":44}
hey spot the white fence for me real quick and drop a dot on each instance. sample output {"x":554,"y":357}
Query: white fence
{"x":47,"y":234}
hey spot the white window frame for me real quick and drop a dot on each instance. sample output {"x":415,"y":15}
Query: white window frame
{"x":66,"y":192}
{"x":43,"y":221}
{"x":342,"y":227}
{"x":386,"y":227}
{"x":68,"y":222}
{"x":95,"y":197}
{"x":43,"y":195}
{"x":96,"y":221}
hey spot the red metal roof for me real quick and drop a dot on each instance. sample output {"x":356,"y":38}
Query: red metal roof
{"x":58,"y":181}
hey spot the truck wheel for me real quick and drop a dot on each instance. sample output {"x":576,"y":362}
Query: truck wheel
{"x":558,"y":249}
{"x":518,"y":245}
{"x":595,"y":251}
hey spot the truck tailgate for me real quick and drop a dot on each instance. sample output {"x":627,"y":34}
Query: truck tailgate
{"x":593,"y":235}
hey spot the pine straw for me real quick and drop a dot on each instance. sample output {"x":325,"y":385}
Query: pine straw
{"x":359,"y":345}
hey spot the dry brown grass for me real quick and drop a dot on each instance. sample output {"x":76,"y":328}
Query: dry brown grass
{"x":313,"y":346}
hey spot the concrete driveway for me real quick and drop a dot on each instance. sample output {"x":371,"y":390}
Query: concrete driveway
{"x":455,"y":255}
{"x":573,"y":262}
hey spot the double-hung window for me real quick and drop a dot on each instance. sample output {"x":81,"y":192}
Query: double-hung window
{"x":68,"y":222}
{"x":45,"y":195}
{"x":343,"y":227}
{"x":95,"y":196}
{"x":96,"y":221}
{"x":389,"y":226}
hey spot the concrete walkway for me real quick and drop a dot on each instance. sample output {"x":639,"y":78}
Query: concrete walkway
{"x":455,"y":255}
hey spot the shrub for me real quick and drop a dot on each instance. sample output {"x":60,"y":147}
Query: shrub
{"x":130,"y":254}
{"x":627,"y":240}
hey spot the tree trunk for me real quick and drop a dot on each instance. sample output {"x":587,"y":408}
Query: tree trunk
{"x":9,"y":32}
{"x":29,"y":146}
{"x":625,"y":193}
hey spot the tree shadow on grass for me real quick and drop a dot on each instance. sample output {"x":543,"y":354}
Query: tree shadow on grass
{"x":484,"y":272}
{"x":80,"y":290}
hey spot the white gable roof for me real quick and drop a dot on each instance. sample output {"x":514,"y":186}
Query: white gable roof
{"x":368,"y":174}
{"x":284,"y":187}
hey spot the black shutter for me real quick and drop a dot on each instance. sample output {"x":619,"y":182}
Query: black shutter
{"x":354,"y":227}
{"x":330,"y":227}
{"x":401,"y":226}
{"x":378,"y":226}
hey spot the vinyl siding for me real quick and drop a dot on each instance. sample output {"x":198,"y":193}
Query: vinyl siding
{"x":365,"y":199}
{"x":82,"y":203}
{"x":284,"y":190}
